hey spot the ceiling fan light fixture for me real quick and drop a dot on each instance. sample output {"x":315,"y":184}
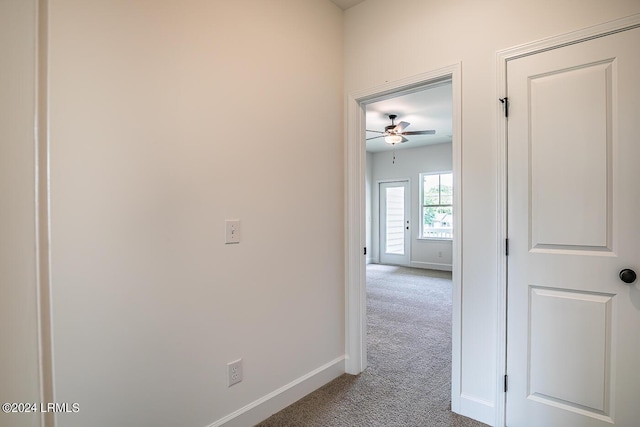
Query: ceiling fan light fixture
{"x":393,"y":139}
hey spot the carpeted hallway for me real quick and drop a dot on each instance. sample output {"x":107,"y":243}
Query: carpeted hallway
{"x":407,"y":382}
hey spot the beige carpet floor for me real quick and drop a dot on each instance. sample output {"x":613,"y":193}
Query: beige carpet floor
{"x":408,"y":380}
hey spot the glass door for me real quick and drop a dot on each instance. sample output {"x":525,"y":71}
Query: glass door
{"x":394,"y":223}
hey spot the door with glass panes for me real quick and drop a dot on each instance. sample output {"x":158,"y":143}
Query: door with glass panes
{"x":394,"y":223}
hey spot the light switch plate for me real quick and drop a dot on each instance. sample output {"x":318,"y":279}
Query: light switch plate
{"x":232,"y":231}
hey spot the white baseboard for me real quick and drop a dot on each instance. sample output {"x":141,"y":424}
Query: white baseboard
{"x":478,"y":409}
{"x":279,"y":399}
{"x":431,"y":265}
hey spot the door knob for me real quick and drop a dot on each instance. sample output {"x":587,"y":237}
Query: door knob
{"x":627,"y":275}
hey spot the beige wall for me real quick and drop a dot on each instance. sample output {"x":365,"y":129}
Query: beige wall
{"x":168,"y":117}
{"x":19,"y":375}
{"x":434,"y":34}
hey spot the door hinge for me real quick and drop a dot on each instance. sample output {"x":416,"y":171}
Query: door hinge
{"x":365,"y":250}
{"x":506,"y":247}
{"x":505,"y":103}
{"x":505,"y":383}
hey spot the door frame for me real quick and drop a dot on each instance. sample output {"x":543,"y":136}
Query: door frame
{"x":378,"y":223}
{"x":502,"y":58}
{"x":355,"y":203}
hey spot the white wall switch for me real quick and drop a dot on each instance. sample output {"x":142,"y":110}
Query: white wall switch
{"x":233,"y":231}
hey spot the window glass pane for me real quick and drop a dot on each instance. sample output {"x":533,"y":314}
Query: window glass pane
{"x":395,"y":221}
{"x":446,"y":189}
{"x":437,"y":222}
{"x":431,"y":189}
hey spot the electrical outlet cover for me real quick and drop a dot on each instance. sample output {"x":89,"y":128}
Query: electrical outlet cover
{"x":234,"y":372}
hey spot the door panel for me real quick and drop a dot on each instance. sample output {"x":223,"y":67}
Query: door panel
{"x":567,"y":326}
{"x":394,"y":223}
{"x":573,"y":197}
{"x":571,"y":211}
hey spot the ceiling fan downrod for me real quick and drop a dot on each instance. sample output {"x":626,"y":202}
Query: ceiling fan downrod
{"x":390,"y":127}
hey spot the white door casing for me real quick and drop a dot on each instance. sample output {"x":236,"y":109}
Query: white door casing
{"x":573,"y":198}
{"x":395,"y":208}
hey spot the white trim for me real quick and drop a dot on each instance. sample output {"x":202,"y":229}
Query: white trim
{"x":456,"y":261}
{"x":355,"y":239}
{"x":501,"y":227}
{"x":46,"y":377}
{"x":482,"y":410}
{"x":431,"y":265}
{"x":434,"y":240}
{"x":279,"y":399}
{"x":502,"y":57}
{"x":355,"y":305}
{"x":573,"y":37}
{"x":390,"y":181}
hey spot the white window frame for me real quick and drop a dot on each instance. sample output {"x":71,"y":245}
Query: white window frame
{"x":422,"y":206}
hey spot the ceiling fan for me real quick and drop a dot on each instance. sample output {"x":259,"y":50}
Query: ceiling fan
{"x":394,"y":134}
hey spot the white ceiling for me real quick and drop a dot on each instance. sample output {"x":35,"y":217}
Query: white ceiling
{"x":429,"y":108}
{"x":346,"y":4}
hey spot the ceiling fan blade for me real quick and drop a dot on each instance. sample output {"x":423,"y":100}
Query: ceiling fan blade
{"x":420,"y":132}
{"x":401,"y":126}
{"x":375,"y":137}
{"x":404,"y":139}
{"x":376,"y":131}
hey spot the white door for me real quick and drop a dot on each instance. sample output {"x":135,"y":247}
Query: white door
{"x":394,"y":223}
{"x":573,"y":341}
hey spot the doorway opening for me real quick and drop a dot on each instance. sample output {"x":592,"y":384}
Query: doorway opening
{"x":409,"y":190}
{"x":363,"y":235}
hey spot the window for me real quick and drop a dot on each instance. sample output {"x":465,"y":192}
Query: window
{"x":437,"y":205}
